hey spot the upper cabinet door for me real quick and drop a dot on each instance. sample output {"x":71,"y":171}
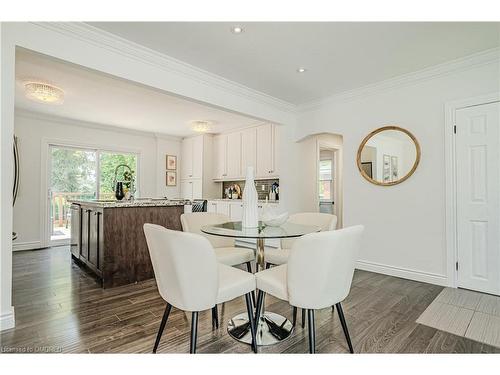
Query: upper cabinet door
{"x":197,"y":149}
{"x":248,"y":150}
{"x":233,"y":157}
{"x":265,"y":151}
{"x":186,"y":165}
{"x":220,"y":152}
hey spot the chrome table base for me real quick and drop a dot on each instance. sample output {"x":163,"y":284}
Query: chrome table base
{"x":272,"y":329}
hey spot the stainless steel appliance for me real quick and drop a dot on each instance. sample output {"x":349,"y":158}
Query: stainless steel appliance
{"x":76,"y":222}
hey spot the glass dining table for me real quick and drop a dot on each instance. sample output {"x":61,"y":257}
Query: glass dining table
{"x":272,"y":327}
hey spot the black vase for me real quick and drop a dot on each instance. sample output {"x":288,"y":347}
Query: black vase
{"x":119,"y":194}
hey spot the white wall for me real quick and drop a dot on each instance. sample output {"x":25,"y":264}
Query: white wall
{"x":34,"y":131}
{"x":167,"y":146}
{"x":405,"y":224}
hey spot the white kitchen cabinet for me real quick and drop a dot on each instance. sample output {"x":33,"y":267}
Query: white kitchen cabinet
{"x":212,"y":206}
{"x":220,"y":155}
{"x":192,"y":157}
{"x":195,"y":169}
{"x":198,"y":149}
{"x":192,"y":189}
{"x":265,"y":151}
{"x":236,"y":211}
{"x":186,"y":162}
{"x":233,"y":155}
{"x":187,"y":190}
{"x":223,"y":208}
{"x":253,"y":147}
{"x":248,"y":150}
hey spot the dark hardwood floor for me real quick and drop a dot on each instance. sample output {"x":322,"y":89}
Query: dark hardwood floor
{"x":59,"y":308}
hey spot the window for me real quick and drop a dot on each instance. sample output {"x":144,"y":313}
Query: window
{"x":325,"y":180}
{"x":78,"y":173}
{"x":108,"y":161}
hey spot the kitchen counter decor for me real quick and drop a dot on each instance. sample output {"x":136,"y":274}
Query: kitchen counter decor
{"x":250,"y":199}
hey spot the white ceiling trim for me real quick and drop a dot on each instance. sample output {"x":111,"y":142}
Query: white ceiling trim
{"x":91,"y":125}
{"x":481,"y":58}
{"x":114,"y":43}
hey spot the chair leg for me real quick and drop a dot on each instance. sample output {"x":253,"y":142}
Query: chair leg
{"x":258,"y":308}
{"x":303,"y":318}
{"x":251,"y":319}
{"x":194,"y":332}
{"x":162,"y":326}
{"x":249,"y":268}
{"x":312,"y":333}
{"x":344,"y":327}
{"x":215,"y":317}
{"x":294,"y":316}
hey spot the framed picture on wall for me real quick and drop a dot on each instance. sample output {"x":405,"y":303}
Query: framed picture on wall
{"x":394,"y":168}
{"x":367,"y":168}
{"x":171,"y":162}
{"x":386,"y":168}
{"x":171,"y":178}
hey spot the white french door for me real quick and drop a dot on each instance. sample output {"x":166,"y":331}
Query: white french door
{"x":477,"y":150}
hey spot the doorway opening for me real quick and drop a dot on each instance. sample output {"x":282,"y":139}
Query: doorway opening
{"x":326,"y":181}
{"x":321,"y":180}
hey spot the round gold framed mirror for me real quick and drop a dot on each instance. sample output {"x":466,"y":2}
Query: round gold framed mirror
{"x":388,"y":156}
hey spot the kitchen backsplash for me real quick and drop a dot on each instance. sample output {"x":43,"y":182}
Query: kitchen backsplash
{"x":258,"y":185}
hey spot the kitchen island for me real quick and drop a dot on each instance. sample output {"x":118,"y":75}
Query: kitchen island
{"x":108,"y":237}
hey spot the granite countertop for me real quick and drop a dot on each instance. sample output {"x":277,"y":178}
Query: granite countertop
{"x":241,"y":200}
{"x":154,"y":202}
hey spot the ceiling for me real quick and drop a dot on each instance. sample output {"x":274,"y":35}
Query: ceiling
{"x":99,"y":98}
{"x":338,"y":56}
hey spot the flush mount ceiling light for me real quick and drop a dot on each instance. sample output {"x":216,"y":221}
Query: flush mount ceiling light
{"x":44,"y":93}
{"x":236,"y":29}
{"x":201,"y":126}
{"x":301,"y":70}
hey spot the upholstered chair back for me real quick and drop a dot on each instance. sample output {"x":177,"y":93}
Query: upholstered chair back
{"x":185,"y":268}
{"x":321,"y":267}
{"x":192,"y":222}
{"x":318,"y":219}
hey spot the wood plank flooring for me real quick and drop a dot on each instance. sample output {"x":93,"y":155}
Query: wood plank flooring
{"x":59,"y":308}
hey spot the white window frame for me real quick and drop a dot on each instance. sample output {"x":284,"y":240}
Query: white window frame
{"x":45,"y":170}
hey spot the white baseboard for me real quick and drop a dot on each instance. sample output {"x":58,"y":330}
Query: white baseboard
{"x":405,"y":273}
{"x":19,"y":246}
{"x":7,"y":320}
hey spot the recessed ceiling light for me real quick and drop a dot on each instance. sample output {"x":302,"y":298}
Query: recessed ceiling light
{"x":301,"y":70}
{"x":43,"y":92}
{"x":236,"y":29}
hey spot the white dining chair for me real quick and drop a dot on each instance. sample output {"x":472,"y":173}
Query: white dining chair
{"x":279,"y":256}
{"x":189,"y":277}
{"x":318,"y":274}
{"x":225,"y":249}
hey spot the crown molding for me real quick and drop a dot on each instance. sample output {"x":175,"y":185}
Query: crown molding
{"x":91,"y":125}
{"x":454,"y":66}
{"x":125,"y":47}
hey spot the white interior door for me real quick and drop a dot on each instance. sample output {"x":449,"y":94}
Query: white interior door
{"x":478,"y":189}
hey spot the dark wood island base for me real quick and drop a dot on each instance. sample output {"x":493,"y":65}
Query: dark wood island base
{"x":112,"y":244}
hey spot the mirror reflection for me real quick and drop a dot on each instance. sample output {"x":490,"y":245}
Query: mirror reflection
{"x":388,"y":156}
